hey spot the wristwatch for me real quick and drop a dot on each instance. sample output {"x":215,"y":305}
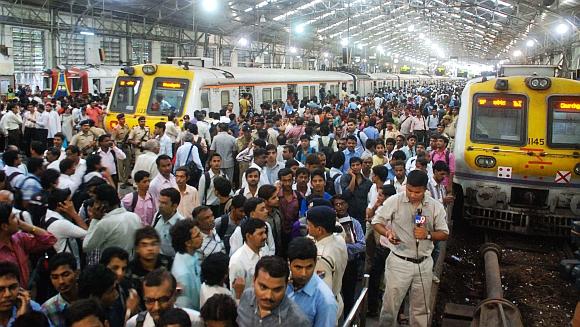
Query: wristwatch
{"x":429,"y":236}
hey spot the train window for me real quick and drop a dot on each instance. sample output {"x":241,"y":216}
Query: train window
{"x":312,"y":92}
{"x":225,"y":98}
{"x":168,"y":96}
{"x":564,"y":122}
{"x":305,"y":92}
{"x":499,"y":119}
{"x":76,"y":84}
{"x":266,"y":95}
{"x":204,"y":99}
{"x":277,"y":92}
{"x":47,"y":83}
{"x":125,"y":95}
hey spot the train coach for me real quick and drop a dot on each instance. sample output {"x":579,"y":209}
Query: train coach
{"x":517,"y":150}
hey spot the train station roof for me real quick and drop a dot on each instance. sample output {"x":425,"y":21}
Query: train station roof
{"x":419,"y":29}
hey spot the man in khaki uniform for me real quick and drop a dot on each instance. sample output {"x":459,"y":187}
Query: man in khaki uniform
{"x":331,"y":248}
{"x":411,"y":221}
{"x":120,"y":136}
{"x":85,"y":140}
{"x":138,"y":136}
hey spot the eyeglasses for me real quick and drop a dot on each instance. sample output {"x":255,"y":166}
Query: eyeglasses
{"x":160,"y":300}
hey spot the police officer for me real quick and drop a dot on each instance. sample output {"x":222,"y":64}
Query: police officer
{"x":138,"y":136}
{"x":331,"y":247}
{"x":411,"y":221}
{"x":85,"y":140}
{"x":120,"y":136}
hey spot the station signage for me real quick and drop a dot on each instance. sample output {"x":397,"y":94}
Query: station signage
{"x":501,"y":102}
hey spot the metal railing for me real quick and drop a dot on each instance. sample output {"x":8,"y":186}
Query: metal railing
{"x":358,"y":313}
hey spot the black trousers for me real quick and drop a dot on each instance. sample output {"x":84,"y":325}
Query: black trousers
{"x":349,"y":285}
{"x":14,"y":138}
{"x":376,"y":275}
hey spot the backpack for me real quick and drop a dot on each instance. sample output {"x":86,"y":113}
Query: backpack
{"x":134,"y":201}
{"x":18,"y":200}
{"x":40,"y":276}
{"x":327,"y":150}
{"x":222,"y":229}
{"x":329,"y":187}
{"x":206,"y":187}
{"x":194,"y":171}
{"x":360,"y":140}
{"x":202,"y":156}
{"x":37,"y":207}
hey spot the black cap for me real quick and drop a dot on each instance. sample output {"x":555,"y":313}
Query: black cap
{"x":85,"y":122}
{"x":141,"y":118}
{"x":119,"y":116}
{"x":246,"y":128}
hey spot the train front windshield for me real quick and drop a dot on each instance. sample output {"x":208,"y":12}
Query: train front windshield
{"x":564,"y":122}
{"x":499,"y":119}
{"x":125,"y":94}
{"x":167,"y":96}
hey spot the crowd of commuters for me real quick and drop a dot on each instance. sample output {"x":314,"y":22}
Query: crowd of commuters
{"x":267,"y":218}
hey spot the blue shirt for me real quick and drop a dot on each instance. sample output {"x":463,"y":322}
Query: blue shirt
{"x":391,"y":175}
{"x":371,"y":132}
{"x":33,"y":306}
{"x":187,"y":271}
{"x":347,"y":156}
{"x":316,"y":301}
{"x":28,"y":184}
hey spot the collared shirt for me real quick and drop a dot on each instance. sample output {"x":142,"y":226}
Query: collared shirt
{"x":165,"y":145}
{"x":139,"y":134}
{"x":357,"y":199}
{"x":187,"y":271}
{"x":160,"y":183}
{"x":398,"y":212}
{"x":272,"y":172}
{"x":371,"y":132}
{"x":21,"y":244}
{"x":211,"y":243}
{"x":347,"y":156}
{"x":208,"y":291}
{"x":162,"y":227}
{"x":194,"y":317}
{"x":33,"y":306}
{"x":418,"y":123}
{"x":146,"y":162}
{"x":286,"y":314}
{"x":432,"y":121}
{"x":236,"y":242}
{"x":189,"y":200}
{"x":116,"y":228}
{"x":331,"y":263}
{"x":83,"y":140}
{"x":409,"y":152}
{"x":66,"y":233}
{"x":108,"y":159}
{"x":208,"y":198}
{"x":66,"y":181}
{"x":11,"y":121}
{"x":184,"y":156}
{"x":54,"y":309}
{"x":263,"y":177}
{"x":316,"y":301}
{"x":242,"y":264}
{"x":228,"y":232}
{"x":224,"y":144}
{"x":437,"y":190}
{"x":145,"y":208}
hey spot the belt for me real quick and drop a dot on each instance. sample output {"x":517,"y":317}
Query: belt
{"x":413,"y":260}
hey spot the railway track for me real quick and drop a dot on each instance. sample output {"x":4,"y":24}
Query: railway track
{"x":525,"y":275}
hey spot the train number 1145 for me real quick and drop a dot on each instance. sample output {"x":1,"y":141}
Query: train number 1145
{"x":536,"y":141}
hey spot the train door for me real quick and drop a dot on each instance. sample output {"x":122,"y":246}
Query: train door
{"x":292,"y":90}
{"x":95,"y":86}
{"x":249,"y":90}
{"x":277,"y":94}
{"x":313,"y":92}
{"x":76,"y":85}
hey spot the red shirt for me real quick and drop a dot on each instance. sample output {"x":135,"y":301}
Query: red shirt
{"x":290,"y":210}
{"x":21,"y":245}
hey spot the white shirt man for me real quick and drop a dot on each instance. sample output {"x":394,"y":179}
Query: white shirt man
{"x":108,"y":159}
{"x":50,"y":120}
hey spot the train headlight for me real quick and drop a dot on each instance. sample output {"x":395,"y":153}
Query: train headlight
{"x":149,"y":69}
{"x":501,"y":84}
{"x":538,"y":83}
{"x":128,"y":70}
{"x":485,"y":161}
{"x":577,"y":169}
